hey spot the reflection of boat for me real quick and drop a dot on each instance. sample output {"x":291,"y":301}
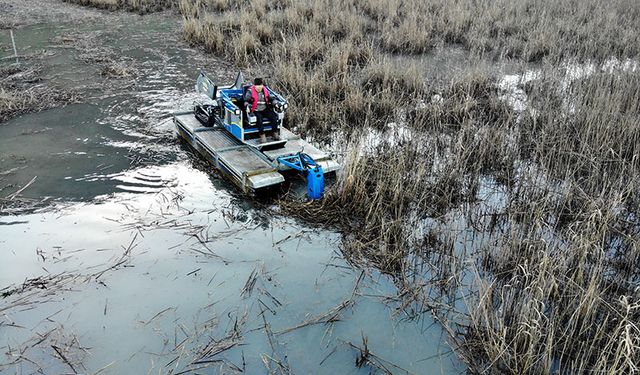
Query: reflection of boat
{"x":224,"y":133}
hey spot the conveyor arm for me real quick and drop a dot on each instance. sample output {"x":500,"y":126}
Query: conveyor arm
{"x":315,"y":175}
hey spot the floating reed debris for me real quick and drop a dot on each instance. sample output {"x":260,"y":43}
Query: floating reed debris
{"x":62,"y":346}
{"x":367,"y":358}
{"x":15,"y":203}
{"x":22,"y":91}
{"x":331,"y":316}
{"x":117,"y":69}
{"x":138,"y":6}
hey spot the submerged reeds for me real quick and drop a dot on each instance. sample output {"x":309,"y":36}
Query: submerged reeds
{"x":22,"y":91}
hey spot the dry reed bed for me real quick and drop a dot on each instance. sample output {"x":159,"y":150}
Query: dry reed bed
{"x":555,"y":286}
{"x":527,"y":29}
{"x":329,"y":54}
{"x":558,"y":289}
{"x":547,"y":279}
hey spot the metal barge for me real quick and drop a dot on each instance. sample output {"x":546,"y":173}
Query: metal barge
{"x":252,"y":166}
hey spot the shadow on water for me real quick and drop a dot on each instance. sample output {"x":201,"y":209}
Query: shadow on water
{"x":145,"y":261}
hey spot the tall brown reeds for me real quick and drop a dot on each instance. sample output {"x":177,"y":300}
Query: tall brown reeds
{"x":518,"y":227}
{"x":527,"y":29}
{"x":555,"y":281}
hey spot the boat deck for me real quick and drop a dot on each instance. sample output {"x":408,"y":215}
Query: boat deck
{"x":250,"y":165}
{"x":243,"y":164}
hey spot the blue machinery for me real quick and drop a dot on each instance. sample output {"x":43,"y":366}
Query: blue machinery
{"x":218,"y":130}
{"x":302,"y":162}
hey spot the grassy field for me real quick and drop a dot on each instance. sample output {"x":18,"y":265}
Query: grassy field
{"x":516,"y":226}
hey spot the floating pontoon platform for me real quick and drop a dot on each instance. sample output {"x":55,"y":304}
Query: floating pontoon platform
{"x":249,"y":167}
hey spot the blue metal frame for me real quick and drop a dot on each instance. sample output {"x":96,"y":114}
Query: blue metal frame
{"x":300,"y":161}
{"x":304,"y":163}
{"x":236,"y":128}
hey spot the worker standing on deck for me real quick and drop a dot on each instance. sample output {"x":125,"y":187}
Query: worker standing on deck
{"x":257,"y":96}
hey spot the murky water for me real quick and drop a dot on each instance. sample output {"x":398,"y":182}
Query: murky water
{"x":143,"y":261}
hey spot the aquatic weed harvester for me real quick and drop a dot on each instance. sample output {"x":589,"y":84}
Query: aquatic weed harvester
{"x":224,"y":132}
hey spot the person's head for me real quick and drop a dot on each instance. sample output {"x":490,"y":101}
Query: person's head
{"x":258,"y":83}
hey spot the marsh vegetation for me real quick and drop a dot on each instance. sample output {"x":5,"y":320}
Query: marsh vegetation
{"x":140,"y":6}
{"x":504,"y":206}
{"x":22,"y":90}
{"x":515,"y":225}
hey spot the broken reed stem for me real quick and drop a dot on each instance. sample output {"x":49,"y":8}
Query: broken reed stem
{"x":13,"y":42}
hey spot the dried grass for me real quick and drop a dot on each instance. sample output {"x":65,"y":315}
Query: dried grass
{"x":21,"y":91}
{"x":139,"y":6}
{"x":527,"y":219}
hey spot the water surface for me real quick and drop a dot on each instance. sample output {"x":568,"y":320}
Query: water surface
{"x":143,"y":260}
